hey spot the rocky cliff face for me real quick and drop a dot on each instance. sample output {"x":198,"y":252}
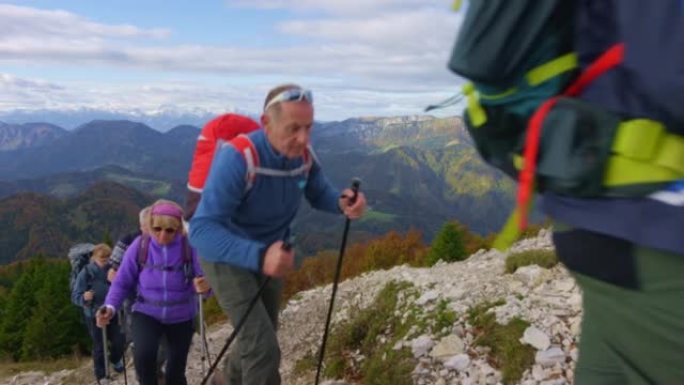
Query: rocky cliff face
{"x":548,"y":299}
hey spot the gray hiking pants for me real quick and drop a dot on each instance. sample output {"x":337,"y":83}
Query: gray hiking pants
{"x":254,"y":357}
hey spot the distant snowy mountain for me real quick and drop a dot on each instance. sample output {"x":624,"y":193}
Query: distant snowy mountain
{"x":162,"y":119}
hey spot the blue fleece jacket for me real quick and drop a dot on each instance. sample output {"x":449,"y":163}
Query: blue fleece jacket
{"x":236,"y":227}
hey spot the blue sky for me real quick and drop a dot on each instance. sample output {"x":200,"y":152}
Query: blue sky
{"x":360,"y":57}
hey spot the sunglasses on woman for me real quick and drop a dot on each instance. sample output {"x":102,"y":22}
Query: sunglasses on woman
{"x":167,"y":230}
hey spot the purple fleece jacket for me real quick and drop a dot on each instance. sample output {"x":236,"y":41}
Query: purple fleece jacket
{"x":163,"y":292}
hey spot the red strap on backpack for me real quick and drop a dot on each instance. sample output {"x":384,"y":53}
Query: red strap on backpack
{"x":244,"y":146}
{"x":608,"y":60}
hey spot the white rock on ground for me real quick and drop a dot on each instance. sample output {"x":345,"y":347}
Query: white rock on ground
{"x":536,"y":338}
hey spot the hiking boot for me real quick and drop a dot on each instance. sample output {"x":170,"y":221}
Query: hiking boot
{"x":119,"y":367}
{"x":104,"y":381}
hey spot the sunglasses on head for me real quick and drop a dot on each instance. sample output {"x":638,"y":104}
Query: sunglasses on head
{"x":291,"y":95}
{"x":167,"y":230}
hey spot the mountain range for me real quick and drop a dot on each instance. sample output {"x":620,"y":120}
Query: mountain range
{"x":163,"y":119}
{"x":417,"y":172}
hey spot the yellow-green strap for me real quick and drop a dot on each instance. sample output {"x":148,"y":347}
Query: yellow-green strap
{"x":500,"y":95}
{"x":671,"y":154}
{"x":551,"y":69}
{"x":456,"y":6}
{"x":509,"y":233}
{"x":478,"y":117}
{"x":644,"y":152}
{"x":624,"y":171}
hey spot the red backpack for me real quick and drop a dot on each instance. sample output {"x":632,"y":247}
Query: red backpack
{"x":220,"y":129}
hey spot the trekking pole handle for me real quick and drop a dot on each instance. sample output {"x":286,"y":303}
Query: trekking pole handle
{"x":355,"y":185}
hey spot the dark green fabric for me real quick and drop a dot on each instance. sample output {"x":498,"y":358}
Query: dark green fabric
{"x":499,"y":43}
{"x":254,"y":357}
{"x":500,"y":40}
{"x":634,"y":337}
{"x":499,"y":139}
{"x":575,"y":145}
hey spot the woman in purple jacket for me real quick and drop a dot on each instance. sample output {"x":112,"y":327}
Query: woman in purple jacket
{"x":164,"y":271}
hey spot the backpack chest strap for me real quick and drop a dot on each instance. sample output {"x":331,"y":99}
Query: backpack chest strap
{"x":162,"y":303}
{"x":303,"y":169}
{"x":163,"y":267}
{"x":244,"y":145}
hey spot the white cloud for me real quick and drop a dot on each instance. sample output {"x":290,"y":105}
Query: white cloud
{"x":17,"y":21}
{"x":367,"y":57}
{"x":342,"y":7}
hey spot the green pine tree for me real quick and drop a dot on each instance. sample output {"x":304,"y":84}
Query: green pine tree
{"x":20,"y":306}
{"x":54,"y":328}
{"x":449,"y":244}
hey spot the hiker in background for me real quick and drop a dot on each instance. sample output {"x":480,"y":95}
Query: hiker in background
{"x":116,"y":259}
{"x":606,"y":147}
{"x":163,"y":270}
{"x":240,"y":240}
{"x":217,"y":131}
{"x":90,"y":290}
{"x":125,"y":241}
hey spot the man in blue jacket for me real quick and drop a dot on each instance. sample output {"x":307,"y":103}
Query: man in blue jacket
{"x":249,"y":201}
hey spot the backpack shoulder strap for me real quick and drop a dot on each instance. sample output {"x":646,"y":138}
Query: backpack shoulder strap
{"x":244,"y":145}
{"x":143,"y":250}
{"x":310,"y":158}
{"x":88,"y":275}
{"x":187,"y":258}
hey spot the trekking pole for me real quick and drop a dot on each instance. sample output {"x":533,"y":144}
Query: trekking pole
{"x":122,"y":326}
{"x":356,"y":183}
{"x":202,"y":334}
{"x":286,"y":246}
{"x":105,"y":348}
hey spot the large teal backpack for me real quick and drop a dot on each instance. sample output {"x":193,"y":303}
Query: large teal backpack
{"x":522,"y":114}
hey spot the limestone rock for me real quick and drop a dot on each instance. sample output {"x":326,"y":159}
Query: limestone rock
{"x":535,"y":337}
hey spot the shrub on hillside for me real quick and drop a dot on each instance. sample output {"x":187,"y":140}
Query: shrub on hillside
{"x":449,"y":244}
{"x":383,"y":253}
{"x":507,"y":353}
{"x":540,"y":257}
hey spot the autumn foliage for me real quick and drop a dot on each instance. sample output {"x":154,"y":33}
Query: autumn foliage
{"x":392,"y":249}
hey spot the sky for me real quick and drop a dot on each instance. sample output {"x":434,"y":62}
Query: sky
{"x":359,"y":57}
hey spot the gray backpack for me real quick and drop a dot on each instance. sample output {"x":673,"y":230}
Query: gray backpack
{"x":79,"y":257}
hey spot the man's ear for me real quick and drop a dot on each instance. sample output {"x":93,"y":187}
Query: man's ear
{"x":265,"y":120}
